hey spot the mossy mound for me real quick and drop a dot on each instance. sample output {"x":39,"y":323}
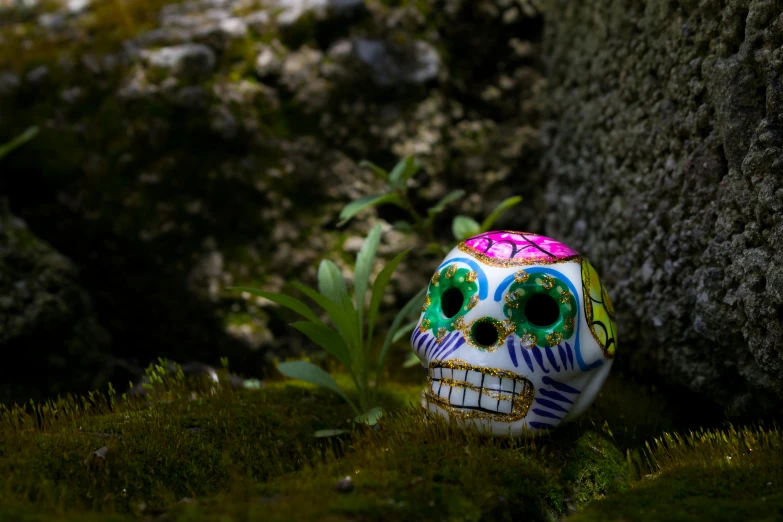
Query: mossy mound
{"x":201,"y":450}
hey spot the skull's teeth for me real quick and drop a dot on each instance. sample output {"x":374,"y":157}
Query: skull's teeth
{"x":475,"y":390}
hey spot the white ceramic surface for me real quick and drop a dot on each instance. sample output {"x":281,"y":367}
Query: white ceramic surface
{"x":508,"y":339}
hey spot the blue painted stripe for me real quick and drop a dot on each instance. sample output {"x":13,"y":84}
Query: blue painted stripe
{"x":502,"y":287}
{"x":561,"y":351}
{"x":551,"y":357}
{"x":540,"y":425}
{"x":482,"y":277}
{"x":559,"y":386}
{"x":570,"y":354}
{"x":446,"y":342}
{"x":455,"y":347}
{"x":422,"y":341}
{"x":555,"y":395}
{"x":429,"y":345}
{"x":526,"y":357}
{"x":539,"y":359}
{"x":415,"y":337}
{"x":512,"y":350}
{"x":545,"y":413}
{"x":551,"y":405}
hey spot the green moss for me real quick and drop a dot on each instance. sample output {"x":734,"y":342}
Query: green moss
{"x":252,"y":454}
{"x":725,"y":474}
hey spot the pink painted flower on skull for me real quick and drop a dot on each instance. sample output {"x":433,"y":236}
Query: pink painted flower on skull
{"x":517,"y":334}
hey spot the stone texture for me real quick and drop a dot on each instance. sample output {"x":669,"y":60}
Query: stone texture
{"x":47,"y":324}
{"x":666,"y":169}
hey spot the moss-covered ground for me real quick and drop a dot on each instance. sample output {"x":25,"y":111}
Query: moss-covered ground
{"x":204,"y":451}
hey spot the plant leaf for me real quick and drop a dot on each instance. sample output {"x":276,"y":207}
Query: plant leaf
{"x":308,"y":372}
{"x":328,"y":433}
{"x":445,"y":200}
{"x":412,"y":306}
{"x":400,"y":333}
{"x":464,"y":227}
{"x":283,"y":300}
{"x":357,"y":205}
{"x":378,"y":171}
{"x":326,"y":338}
{"x":344,"y":321}
{"x":331,"y":282}
{"x":402,"y":226}
{"x":364,"y":260}
{"x":17,"y":142}
{"x":411,"y":360}
{"x":403,"y":171}
{"x":499,"y":211}
{"x":378,"y":289}
{"x":370,"y":417}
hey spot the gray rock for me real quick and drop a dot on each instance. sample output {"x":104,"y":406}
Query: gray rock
{"x":46,"y":319}
{"x":391,"y":64}
{"x":290,"y":11}
{"x":665,"y":170}
{"x":9,"y":83}
{"x":37,"y":75}
{"x":191,"y":61}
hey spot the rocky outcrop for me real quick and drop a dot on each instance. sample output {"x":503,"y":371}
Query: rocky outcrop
{"x":51,"y":338}
{"x":665,"y":168}
{"x":188,"y":146}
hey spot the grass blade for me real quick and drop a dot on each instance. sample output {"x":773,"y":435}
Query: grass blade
{"x":356,"y":206}
{"x":308,"y":372}
{"x":378,"y":289}
{"x":283,"y":300}
{"x":326,"y":338}
{"x":499,"y":210}
{"x":364,"y":261}
{"x":403,"y":171}
{"x":331,"y":282}
{"x":17,"y":142}
{"x":411,"y":307}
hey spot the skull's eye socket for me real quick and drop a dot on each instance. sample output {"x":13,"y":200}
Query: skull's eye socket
{"x":484,"y":333}
{"x":451,"y":302}
{"x":542,"y":310}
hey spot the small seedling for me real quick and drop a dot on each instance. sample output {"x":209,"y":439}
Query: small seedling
{"x":349,"y":337}
{"x":396,"y":193}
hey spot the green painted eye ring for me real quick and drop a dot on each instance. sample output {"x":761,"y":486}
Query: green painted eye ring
{"x":524,"y":288}
{"x":462,"y":279}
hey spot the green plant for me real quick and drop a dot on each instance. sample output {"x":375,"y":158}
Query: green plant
{"x":396,"y":193}
{"x":349,"y":339}
{"x":17,"y":142}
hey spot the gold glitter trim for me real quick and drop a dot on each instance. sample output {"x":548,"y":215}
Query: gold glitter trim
{"x":520,"y":402}
{"x":441,"y":335}
{"x":471,"y":276}
{"x":565,"y":297}
{"x":512,"y":299}
{"x":507,"y":263}
{"x":450,"y":271}
{"x":547,"y":282}
{"x":554,"y":338}
{"x":424,"y":326}
{"x":473,"y":302}
{"x":529,"y":340}
{"x":589,"y":306}
{"x":427,"y":303}
{"x":459,"y":323}
{"x":568,"y":324}
{"x":504,"y":329}
{"x":521,"y":276}
{"x":436,"y":279}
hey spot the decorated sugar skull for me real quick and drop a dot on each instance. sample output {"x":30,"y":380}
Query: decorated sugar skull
{"x":517,"y":334}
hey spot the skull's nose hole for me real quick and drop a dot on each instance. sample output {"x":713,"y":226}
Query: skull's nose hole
{"x":542,"y":310}
{"x":484,"y":333}
{"x":451,"y":302}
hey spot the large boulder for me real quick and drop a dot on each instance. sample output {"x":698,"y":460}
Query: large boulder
{"x":665,"y":169}
{"x":49,"y":335}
